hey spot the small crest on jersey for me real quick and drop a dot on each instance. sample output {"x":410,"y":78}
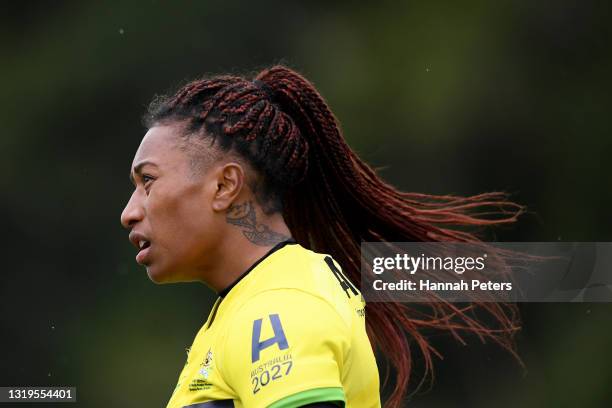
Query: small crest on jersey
{"x":206,"y":364}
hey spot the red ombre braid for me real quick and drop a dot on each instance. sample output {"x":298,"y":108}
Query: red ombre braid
{"x":332,"y":201}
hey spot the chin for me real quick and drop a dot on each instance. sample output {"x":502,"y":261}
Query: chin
{"x":158,"y":276}
{"x":163,"y":275}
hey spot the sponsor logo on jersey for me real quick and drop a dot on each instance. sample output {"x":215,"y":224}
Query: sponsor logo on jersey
{"x":279,"y":337}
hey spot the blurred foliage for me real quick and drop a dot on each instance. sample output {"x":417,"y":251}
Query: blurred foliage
{"x":442,"y":97}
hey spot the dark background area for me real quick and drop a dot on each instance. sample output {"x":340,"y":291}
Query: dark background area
{"x":442,"y":97}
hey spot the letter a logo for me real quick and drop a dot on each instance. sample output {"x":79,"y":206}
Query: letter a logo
{"x":279,"y":337}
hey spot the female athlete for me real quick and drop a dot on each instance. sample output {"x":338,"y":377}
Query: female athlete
{"x":250,"y":188}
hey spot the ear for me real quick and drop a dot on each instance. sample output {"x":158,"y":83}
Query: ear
{"x":230,"y":180}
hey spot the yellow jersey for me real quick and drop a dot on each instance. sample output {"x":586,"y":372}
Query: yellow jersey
{"x":289,"y":332}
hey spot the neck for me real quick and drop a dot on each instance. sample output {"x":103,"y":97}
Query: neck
{"x":249,"y":236}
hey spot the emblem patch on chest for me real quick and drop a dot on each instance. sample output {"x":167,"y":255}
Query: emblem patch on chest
{"x":206,"y":367}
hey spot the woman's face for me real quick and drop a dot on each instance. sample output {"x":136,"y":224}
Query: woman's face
{"x":169,"y":213}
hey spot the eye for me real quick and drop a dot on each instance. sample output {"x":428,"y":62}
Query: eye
{"x":146,"y":179}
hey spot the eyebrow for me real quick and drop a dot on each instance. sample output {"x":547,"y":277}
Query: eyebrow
{"x":138,"y":169}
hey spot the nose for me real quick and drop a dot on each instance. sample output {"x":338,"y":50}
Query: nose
{"x":133,"y":212}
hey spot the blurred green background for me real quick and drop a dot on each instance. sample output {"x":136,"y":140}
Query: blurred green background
{"x":442,"y":97}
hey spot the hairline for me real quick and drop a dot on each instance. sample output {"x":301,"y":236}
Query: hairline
{"x":203,"y":152}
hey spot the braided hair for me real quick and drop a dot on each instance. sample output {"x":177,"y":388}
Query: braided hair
{"x":332,"y":201}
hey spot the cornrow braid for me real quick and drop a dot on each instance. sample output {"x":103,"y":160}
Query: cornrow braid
{"x":332,"y":201}
{"x":241,"y":116}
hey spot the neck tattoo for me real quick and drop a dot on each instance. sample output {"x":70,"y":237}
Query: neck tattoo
{"x":244,"y":216}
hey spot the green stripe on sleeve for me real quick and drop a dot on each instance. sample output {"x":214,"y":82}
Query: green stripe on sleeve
{"x":310,"y":396}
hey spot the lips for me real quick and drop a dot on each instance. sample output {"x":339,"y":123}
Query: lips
{"x":141,"y":257}
{"x":143,"y":243}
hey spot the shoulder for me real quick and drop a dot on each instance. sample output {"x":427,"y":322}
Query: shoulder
{"x":300,"y":269}
{"x":286,"y":319}
{"x":297,"y":307}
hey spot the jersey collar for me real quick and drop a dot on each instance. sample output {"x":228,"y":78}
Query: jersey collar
{"x":275,"y":248}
